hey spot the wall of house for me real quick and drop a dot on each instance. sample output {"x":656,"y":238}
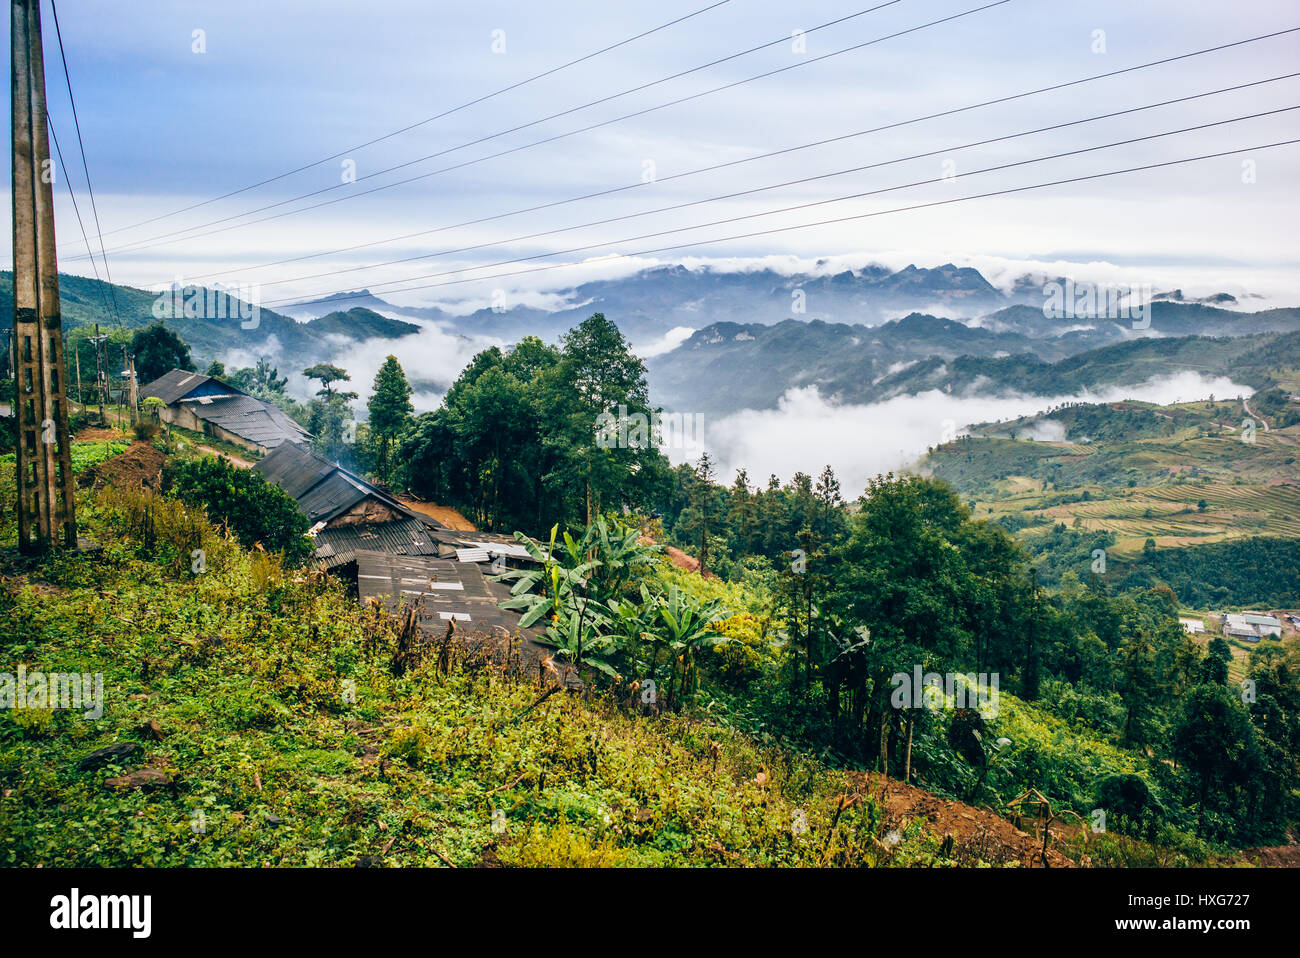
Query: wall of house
{"x":183,"y":417}
{"x":366,"y":511}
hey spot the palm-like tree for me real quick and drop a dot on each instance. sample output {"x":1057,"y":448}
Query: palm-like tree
{"x":688,"y":627}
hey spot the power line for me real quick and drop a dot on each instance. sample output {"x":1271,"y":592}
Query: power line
{"x":155,"y":241}
{"x":58,"y":152}
{"x":85,"y":167}
{"x":829,"y":222}
{"x":427,"y":120}
{"x":787,"y":183}
{"x":763,"y":156}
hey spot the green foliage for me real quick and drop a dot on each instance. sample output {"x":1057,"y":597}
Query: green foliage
{"x":158,"y":350}
{"x":291,"y":743}
{"x":258,"y":512}
{"x":517,"y":443}
{"x":390,"y":415}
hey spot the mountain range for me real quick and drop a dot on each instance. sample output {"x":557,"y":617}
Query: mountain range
{"x":720,"y":341}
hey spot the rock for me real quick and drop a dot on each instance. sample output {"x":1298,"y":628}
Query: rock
{"x":117,"y":754}
{"x":140,"y":778}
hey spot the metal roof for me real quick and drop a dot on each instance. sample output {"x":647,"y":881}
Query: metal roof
{"x":251,"y":419}
{"x":339,"y":545}
{"x":324,"y":489}
{"x":295,"y":469}
{"x":447,"y":591}
{"x":174,"y":385}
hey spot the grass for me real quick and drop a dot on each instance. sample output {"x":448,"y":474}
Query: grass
{"x":290,"y":741}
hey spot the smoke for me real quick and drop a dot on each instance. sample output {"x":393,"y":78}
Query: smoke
{"x":808,"y":431}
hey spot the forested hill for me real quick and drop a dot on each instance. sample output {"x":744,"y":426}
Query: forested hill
{"x":87,"y":301}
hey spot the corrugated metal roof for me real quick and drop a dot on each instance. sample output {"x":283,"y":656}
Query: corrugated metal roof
{"x":339,"y":545}
{"x":171,"y":386}
{"x":336,"y":494}
{"x":324,"y":489}
{"x":295,"y":469}
{"x":251,"y":419}
{"x":395,"y":580}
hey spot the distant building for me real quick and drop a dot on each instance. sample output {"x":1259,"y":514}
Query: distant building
{"x":1251,"y":626}
{"x":203,"y":404}
{"x":1192,"y":626}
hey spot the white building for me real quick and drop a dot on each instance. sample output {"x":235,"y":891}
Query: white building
{"x":1251,"y":626}
{"x":1192,"y":626}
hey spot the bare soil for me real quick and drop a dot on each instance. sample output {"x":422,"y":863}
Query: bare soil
{"x":140,"y":466}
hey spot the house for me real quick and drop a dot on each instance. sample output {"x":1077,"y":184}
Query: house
{"x":1251,"y":626}
{"x":347,"y":513}
{"x":448,"y":597}
{"x":204,"y":404}
{"x":1192,"y":626}
{"x":1268,"y":625}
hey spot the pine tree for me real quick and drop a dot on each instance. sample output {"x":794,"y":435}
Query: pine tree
{"x":390,"y":415}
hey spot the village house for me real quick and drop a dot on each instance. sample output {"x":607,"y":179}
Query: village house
{"x":1251,"y":626}
{"x":346,"y":512}
{"x":205,"y":404}
{"x":396,"y":557}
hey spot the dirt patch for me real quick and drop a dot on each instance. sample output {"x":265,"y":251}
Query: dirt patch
{"x":140,"y":466}
{"x":1278,"y":856}
{"x":448,"y":516}
{"x":976,"y":833}
{"x":98,"y":434}
{"x":678,"y":558}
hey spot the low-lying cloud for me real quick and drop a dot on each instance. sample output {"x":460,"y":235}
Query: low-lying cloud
{"x":807,"y":431}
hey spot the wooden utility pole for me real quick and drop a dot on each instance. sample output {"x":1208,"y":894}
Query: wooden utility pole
{"x":46,"y":507}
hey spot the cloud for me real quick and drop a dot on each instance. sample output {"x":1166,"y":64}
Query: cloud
{"x":807,"y":431}
{"x":431,"y":359}
{"x":665,"y":343}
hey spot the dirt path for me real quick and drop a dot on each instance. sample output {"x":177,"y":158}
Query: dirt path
{"x":233,"y":460}
{"x":1246,"y":406}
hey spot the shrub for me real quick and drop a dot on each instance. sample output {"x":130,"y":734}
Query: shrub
{"x":253,"y":509}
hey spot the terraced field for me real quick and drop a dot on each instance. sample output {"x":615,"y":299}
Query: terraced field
{"x":1170,"y":514}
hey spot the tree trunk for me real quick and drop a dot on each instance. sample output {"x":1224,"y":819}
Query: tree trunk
{"x":907,"y":755}
{"x":884,"y":742}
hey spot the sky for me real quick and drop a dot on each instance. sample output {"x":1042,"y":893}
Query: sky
{"x":182,"y":102}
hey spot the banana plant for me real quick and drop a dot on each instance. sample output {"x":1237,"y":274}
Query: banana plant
{"x":688,"y":627}
{"x":576,"y":624}
{"x":620,"y":552}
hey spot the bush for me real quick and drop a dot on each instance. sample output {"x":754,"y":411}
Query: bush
{"x":255,"y":511}
{"x":146,"y":431}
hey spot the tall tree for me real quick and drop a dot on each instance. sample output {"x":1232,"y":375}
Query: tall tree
{"x":390,"y":414}
{"x":158,"y":350}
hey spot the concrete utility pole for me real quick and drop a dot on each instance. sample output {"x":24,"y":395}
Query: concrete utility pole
{"x":101,"y":387}
{"x":46,"y":507}
{"x":134,"y":397}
